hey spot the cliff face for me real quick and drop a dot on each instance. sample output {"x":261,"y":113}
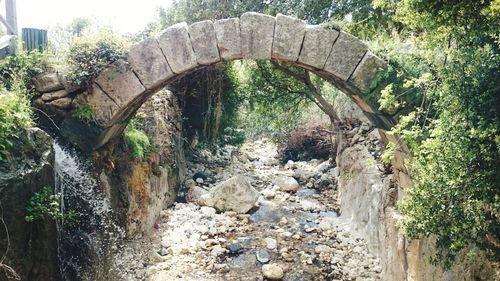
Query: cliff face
{"x":140,"y":188}
{"x":30,"y":248}
{"x":369,"y":195}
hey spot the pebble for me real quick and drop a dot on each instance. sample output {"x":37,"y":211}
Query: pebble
{"x":271,"y":243}
{"x":272,"y":271}
{"x":263,"y":256}
{"x":235,"y":249}
{"x":323,"y":249}
{"x":200,"y":180}
{"x":163,"y":252}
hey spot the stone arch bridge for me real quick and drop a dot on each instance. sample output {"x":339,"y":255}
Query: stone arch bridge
{"x":150,"y":65}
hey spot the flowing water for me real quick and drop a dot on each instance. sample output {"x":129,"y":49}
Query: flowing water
{"x":86,"y":248}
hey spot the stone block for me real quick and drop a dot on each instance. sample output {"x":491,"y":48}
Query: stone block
{"x":204,"y":42}
{"x":104,"y":107}
{"x":228,"y":38}
{"x":288,"y":37}
{"x":120,"y":83}
{"x":54,"y":95}
{"x":177,"y":47}
{"x":257,"y":32}
{"x":62,"y":103}
{"x":317,"y":45}
{"x":47,"y":82}
{"x":149,"y":63}
{"x":346,"y":54}
{"x":366,"y":71}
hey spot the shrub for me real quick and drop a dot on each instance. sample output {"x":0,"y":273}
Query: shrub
{"x":137,"y":141}
{"x":15,"y":114}
{"x":88,"y":56}
{"x":85,"y":113}
{"x":22,"y":68}
{"x":44,"y":204}
{"x":306,"y":143}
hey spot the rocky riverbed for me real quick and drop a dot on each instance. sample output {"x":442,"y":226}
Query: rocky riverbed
{"x":292,"y":231}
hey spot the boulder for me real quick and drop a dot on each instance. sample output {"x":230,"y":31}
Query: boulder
{"x":235,"y":194}
{"x":47,"y":82}
{"x":195,"y":193}
{"x":288,"y":184}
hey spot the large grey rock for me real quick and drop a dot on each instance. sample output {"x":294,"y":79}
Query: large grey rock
{"x":47,"y":82}
{"x":177,"y":47}
{"x":346,"y":53}
{"x":149,"y":63}
{"x":365,"y":72}
{"x":235,"y":194}
{"x":119,"y":82}
{"x":32,"y":247}
{"x":204,"y":42}
{"x":256,"y":35}
{"x":288,"y":184}
{"x":228,"y":38}
{"x":317,"y":45}
{"x":54,"y":95}
{"x":288,"y":37}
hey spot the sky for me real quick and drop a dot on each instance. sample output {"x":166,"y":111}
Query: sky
{"x":122,"y":15}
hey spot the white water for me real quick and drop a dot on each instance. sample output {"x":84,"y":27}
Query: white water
{"x":85,"y":250}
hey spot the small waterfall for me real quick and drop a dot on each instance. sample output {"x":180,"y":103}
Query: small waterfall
{"x":86,"y":249}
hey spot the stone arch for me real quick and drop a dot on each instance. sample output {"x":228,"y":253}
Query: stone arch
{"x":150,"y":65}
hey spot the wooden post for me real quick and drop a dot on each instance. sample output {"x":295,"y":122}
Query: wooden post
{"x":11,"y":15}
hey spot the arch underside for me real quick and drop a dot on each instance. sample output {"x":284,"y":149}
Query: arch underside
{"x":150,"y":65}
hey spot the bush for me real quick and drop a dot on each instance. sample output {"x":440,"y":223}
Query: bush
{"x":139,"y":143}
{"x":88,"y":56}
{"x":22,"y":68}
{"x":44,"y":204}
{"x":85,"y":113}
{"x":306,"y":143}
{"x":15,"y":114}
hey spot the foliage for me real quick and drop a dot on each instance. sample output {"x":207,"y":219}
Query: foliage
{"x":15,"y":114}
{"x":210,"y":101}
{"x":453,"y":131}
{"x":45,"y":205}
{"x":270,"y":109}
{"x":140,"y":144}
{"x":88,"y":56}
{"x":388,"y":153}
{"x":85,"y":113}
{"x":18,"y":70}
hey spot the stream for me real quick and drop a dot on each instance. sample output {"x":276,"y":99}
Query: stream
{"x":288,"y":235}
